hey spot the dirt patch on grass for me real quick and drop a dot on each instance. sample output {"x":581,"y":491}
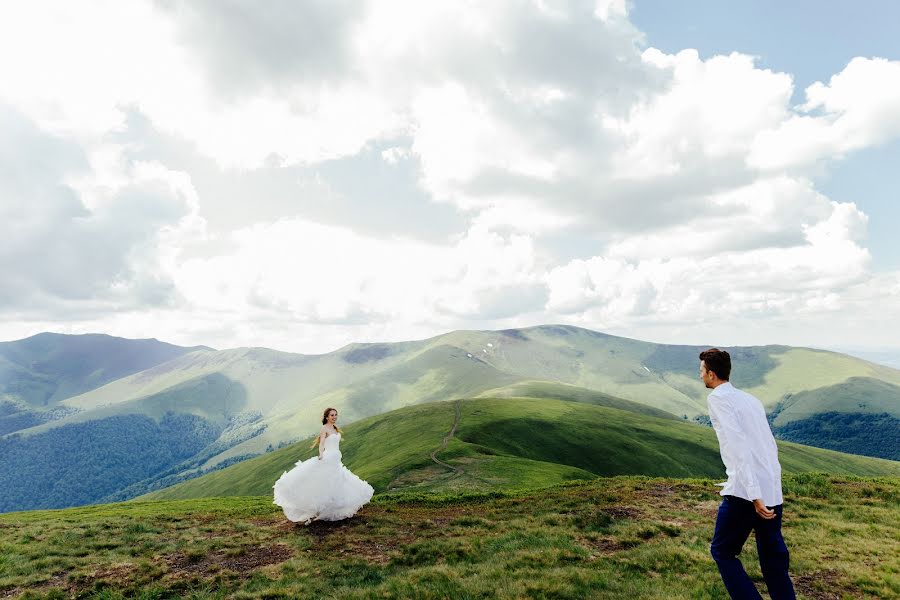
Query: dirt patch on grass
{"x":708,"y":508}
{"x":377,"y":553}
{"x":603,"y":546}
{"x":824,"y":585}
{"x":665,"y":490}
{"x":323,"y":529}
{"x":621,"y":512}
{"x":203,"y":519}
{"x":119,"y":575}
{"x":246,"y":560}
{"x":441,"y":518}
{"x":57,"y":581}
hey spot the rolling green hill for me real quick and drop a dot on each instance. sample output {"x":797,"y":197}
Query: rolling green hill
{"x":38,"y":372}
{"x":43,"y":369}
{"x":255,"y":399}
{"x":502,"y":443}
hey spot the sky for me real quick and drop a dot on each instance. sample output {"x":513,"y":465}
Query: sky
{"x":304,"y":175}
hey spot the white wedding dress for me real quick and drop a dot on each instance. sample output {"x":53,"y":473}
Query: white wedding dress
{"x":323,"y":489}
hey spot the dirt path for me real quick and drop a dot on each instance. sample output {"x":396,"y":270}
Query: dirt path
{"x":446,"y":440}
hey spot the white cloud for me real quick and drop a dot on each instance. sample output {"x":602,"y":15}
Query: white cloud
{"x":770,"y":212}
{"x":81,"y":74}
{"x":606,"y":10}
{"x":766,"y":282}
{"x":712,"y":109}
{"x":858,"y":108}
{"x":691,"y":179}
{"x":317,"y":274}
{"x":395,"y":154}
{"x":76,"y":244}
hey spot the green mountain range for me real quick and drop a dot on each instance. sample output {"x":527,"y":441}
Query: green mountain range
{"x":40,"y":371}
{"x":203,"y":410}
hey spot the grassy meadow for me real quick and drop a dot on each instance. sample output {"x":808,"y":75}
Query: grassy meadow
{"x":619,"y":537}
{"x":479,"y":498}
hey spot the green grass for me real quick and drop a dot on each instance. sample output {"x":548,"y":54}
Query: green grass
{"x":621,"y":537}
{"x":378,"y":449}
{"x":507,"y":443}
{"x":564,"y":391}
{"x":856,"y":395}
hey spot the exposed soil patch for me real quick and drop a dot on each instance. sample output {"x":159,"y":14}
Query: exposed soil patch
{"x":709,"y":508}
{"x":378,"y":553}
{"x":205,"y":519}
{"x":322,"y":529}
{"x":208,"y":535}
{"x":605,"y":546}
{"x":621,"y":512}
{"x":450,"y":515}
{"x":118,"y":575}
{"x":824,"y":585}
{"x":250,"y":558}
{"x":664,"y":490}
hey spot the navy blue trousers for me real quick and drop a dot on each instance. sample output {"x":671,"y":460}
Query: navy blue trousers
{"x":736,"y":519}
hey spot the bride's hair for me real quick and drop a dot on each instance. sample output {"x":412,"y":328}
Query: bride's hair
{"x":325,"y":420}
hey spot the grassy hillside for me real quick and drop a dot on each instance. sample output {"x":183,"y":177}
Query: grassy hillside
{"x":112,"y":453}
{"x":504,"y":443}
{"x":38,"y":372}
{"x":46,"y":368}
{"x":609,"y":538}
{"x":287,"y":390}
{"x":258,"y":399}
{"x":564,"y":391}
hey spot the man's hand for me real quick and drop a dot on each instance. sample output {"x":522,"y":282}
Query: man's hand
{"x":762,"y":510}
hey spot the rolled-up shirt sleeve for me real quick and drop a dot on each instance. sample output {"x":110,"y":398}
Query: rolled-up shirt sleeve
{"x":734,"y":445}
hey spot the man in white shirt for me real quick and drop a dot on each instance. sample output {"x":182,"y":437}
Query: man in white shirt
{"x":752,"y":495}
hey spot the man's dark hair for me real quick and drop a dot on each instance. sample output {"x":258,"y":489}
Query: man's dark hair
{"x":717,"y":361}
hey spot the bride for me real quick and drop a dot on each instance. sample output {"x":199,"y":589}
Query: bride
{"x":322,"y":488}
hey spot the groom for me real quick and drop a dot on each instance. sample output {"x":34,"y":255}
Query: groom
{"x":752,"y":495}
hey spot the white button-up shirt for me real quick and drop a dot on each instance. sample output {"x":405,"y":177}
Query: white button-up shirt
{"x":746,"y":444}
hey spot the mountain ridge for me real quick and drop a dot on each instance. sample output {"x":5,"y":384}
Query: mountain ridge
{"x":258,"y":399}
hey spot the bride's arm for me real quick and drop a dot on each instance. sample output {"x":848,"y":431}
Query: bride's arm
{"x":322,"y":435}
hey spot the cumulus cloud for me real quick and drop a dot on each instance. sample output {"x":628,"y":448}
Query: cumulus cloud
{"x":859,"y":107}
{"x":246,"y":47}
{"x":686,"y":183}
{"x":71,"y":245}
{"x":312,"y":273}
{"x":771,"y":212}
